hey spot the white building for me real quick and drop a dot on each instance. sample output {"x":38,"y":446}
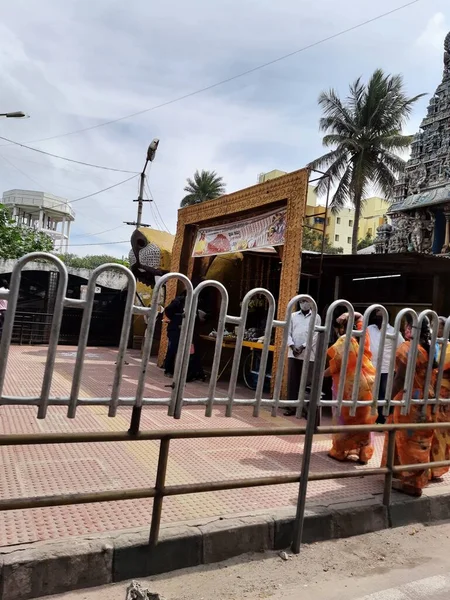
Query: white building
{"x":44,"y":212}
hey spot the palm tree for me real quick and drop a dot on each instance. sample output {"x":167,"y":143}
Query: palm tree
{"x":206,"y":185}
{"x":365,"y":132}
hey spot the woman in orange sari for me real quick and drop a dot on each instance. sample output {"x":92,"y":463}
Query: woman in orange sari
{"x":440,"y":446}
{"x":352,"y":444}
{"x":412,"y":446}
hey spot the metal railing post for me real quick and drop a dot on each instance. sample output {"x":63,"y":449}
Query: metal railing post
{"x":135,"y":420}
{"x":163,"y":460}
{"x":389,"y":464}
{"x":316,"y":391}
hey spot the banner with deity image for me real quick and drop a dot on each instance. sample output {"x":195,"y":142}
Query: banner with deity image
{"x":265,"y":230}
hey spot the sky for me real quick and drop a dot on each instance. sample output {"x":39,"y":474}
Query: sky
{"x":77,"y":64}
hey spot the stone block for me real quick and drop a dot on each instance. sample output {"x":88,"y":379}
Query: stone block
{"x":230,"y":537}
{"x":405,"y":510}
{"x":46,"y":569}
{"x":178,"y":548}
{"x":357,"y":518}
{"x":439,"y":505}
{"x":316,"y":528}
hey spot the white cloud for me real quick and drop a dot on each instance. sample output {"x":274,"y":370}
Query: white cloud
{"x":433,"y":35}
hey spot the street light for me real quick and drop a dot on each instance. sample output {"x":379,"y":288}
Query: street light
{"x":15,"y":115}
{"x":151,"y":152}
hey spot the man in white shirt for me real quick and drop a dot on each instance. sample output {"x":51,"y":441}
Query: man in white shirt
{"x":297,"y":340}
{"x":374,"y":329}
{"x":3,"y":304}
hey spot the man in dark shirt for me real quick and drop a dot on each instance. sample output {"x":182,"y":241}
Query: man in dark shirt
{"x":175,"y":314}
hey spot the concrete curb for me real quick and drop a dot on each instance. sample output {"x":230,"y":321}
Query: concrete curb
{"x":40,"y":569}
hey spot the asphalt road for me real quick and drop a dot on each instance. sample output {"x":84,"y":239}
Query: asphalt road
{"x":436,"y":587}
{"x":410,"y":563}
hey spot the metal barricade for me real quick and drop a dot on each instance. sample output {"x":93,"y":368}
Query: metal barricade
{"x":318,"y":337}
{"x":177,"y":399}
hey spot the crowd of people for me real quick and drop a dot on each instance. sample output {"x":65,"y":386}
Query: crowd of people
{"x":412,"y":446}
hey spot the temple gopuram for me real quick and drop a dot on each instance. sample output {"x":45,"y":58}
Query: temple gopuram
{"x":420,"y":214}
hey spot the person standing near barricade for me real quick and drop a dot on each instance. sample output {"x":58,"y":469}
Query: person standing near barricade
{"x":374,"y":330}
{"x":440,"y":445}
{"x":174,"y":315}
{"x":297,"y":341}
{"x":412,"y":446}
{"x":3,"y":304}
{"x":357,"y":444}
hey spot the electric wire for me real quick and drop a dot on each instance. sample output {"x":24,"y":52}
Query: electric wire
{"x":233,"y":77}
{"x":71,"y":160}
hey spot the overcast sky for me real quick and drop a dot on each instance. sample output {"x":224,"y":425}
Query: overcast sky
{"x":78,"y":63}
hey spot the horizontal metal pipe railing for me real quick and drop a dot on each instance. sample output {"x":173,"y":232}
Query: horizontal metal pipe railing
{"x":196,"y":488}
{"x":18,"y":439}
{"x":264,"y":403}
{"x":202,"y":487}
{"x":330,"y":429}
{"x":27,"y":439}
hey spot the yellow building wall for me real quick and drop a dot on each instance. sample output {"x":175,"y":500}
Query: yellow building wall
{"x":340,"y":228}
{"x":372,"y":216}
{"x":263,"y":177}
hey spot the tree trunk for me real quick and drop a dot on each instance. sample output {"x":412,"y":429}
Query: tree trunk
{"x":357,"y":205}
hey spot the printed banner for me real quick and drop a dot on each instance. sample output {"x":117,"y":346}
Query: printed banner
{"x":258,"y":232}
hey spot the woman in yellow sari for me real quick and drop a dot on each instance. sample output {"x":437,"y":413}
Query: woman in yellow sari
{"x":412,"y":446}
{"x":352,"y":444}
{"x":440,"y":445}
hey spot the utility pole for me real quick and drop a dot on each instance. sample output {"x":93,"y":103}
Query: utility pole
{"x":140,"y":199}
{"x":151,"y":152}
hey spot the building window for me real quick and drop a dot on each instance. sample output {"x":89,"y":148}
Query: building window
{"x":349,"y":240}
{"x":350,"y":223}
{"x":338,"y":220}
{"x":336,"y":238}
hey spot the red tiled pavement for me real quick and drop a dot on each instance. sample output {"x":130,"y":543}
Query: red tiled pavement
{"x":42,"y":470}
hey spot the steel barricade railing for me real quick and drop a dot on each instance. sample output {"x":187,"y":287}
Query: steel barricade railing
{"x":317,"y":339}
{"x":87,"y":305}
{"x":159,"y":491}
{"x":177,"y":399}
{"x":209,"y":401}
{"x":241,"y":321}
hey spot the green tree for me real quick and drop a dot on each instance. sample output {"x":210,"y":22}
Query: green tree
{"x":364,"y":132}
{"x":90,"y":262}
{"x":366,"y":242}
{"x":17,"y":240}
{"x":312,"y":240}
{"x":206,"y":185}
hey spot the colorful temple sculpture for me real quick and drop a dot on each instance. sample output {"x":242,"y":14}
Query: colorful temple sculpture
{"x":420,"y":214}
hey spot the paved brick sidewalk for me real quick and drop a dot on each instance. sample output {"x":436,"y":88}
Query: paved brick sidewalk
{"x":42,"y":470}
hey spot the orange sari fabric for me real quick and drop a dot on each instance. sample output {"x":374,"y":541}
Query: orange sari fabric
{"x":358,"y":444}
{"x":412,"y":446}
{"x":440,"y":445}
